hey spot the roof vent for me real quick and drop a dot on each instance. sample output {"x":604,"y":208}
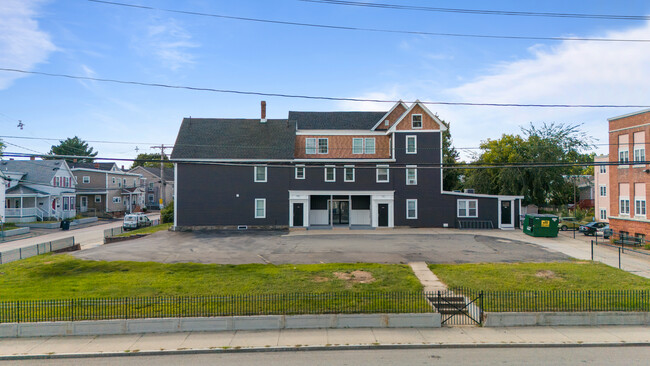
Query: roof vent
{"x":96,"y":165}
{"x":263,"y":116}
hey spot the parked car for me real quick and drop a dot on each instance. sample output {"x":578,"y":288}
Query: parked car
{"x":567,"y":223}
{"x":592,"y":228}
{"x":135,"y":221}
{"x":607,"y":232}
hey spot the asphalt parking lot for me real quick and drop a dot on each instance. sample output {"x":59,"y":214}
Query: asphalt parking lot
{"x":279,"y":248}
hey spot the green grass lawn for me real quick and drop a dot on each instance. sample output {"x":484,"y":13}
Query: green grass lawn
{"x":570,"y":284}
{"x":148,"y":230}
{"x":65,"y":277}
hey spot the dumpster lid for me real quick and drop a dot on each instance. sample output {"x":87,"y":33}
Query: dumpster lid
{"x":546,"y":216}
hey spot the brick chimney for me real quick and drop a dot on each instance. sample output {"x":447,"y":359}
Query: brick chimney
{"x":96,"y":165}
{"x":32,"y":158}
{"x":263,"y":117}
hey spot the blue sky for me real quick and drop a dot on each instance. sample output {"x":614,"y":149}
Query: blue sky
{"x":79,"y":37}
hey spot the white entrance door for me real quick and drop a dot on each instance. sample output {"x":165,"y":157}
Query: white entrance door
{"x":83,"y":206}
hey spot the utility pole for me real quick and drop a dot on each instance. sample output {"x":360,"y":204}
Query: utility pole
{"x":162,"y":148}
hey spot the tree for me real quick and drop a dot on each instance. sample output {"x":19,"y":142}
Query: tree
{"x":73,"y":147}
{"x":450,"y":177}
{"x":557,"y":145}
{"x":145,"y":160}
{"x":2,"y":147}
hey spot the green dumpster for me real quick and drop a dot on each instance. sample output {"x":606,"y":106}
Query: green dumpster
{"x":541,"y":225}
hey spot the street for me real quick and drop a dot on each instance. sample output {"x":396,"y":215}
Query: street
{"x":445,"y":356}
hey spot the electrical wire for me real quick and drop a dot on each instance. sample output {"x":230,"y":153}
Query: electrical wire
{"x":377,"y":30}
{"x":480,"y":11}
{"x":312,"y":97}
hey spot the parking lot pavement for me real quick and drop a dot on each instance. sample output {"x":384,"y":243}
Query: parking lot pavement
{"x":344,"y":247}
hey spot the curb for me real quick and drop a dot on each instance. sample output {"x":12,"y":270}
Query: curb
{"x":319,"y":348}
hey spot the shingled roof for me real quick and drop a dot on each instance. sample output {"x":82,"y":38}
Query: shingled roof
{"x":36,"y":171}
{"x":208,"y":138}
{"x":167,"y":172}
{"x":335,"y":120}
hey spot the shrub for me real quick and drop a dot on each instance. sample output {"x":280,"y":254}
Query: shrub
{"x":167,"y":213}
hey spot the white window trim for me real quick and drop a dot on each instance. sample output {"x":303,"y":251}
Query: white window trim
{"x":600,"y":190}
{"x":345,"y":176}
{"x":365,"y":146}
{"x":639,"y":199}
{"x":387,"y":174}
{"x":117,"y":199}
{"x":98,"y":198}
{"x":318,"y":145}
{"x":603,"y":217}
{"x":421,"y":122}
{"x":415,"y":138}
{"x":467,"y":215}
{"x":264,"y":214}
{"x":620,"y":199}
{"x":363,"y":141}
{"x":255,"y":174}
{"x":623,"y":164}
{"x":638,"y":148}
{"x":113,"y":179}
{"x":315,"y":148}
{"x":85,"y":179}
{"x":334,"y":173}
{"x":416,"y":209}
{"x":415,"y":168}
{"x":151,"y":197}
{"x":603,"y":169}
{"x":303,"y":171}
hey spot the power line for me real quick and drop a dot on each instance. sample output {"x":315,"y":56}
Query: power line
{"x":481,"y":11}
{"x":312,"y":97}
{"x":370,"y":165}
{"x":363,"y":29}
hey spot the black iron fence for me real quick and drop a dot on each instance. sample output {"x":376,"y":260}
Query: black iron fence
{"x":208,"y":306}
{"x":457,"y":306}
{"x":561,"y":301}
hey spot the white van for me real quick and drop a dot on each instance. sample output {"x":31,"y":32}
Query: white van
{"x":135,"y":221}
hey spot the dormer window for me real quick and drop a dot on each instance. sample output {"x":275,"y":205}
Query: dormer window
{"x":416,"y":121}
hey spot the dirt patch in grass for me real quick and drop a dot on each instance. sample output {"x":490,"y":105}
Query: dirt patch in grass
{"x":546,"y":274}
{"x":355,"y":276}
{"x":321,"y":279}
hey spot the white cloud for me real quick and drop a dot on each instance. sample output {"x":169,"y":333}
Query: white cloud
{"x":23,"y":45}
{"x":170,"y":43}
{"x":569,"y":73}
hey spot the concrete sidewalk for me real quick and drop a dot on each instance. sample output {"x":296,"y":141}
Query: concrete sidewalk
{"x":278,"y":340}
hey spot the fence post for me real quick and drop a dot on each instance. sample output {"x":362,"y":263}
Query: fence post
{"x":592,"y":249}
{"x":480,"y":316}
{"x":619,"y":258}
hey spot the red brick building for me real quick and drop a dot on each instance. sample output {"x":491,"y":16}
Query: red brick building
{"x":629,"y":182}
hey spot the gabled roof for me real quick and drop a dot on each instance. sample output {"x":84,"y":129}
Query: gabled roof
{"x":167,"y":172}
{"x":426,"y":110}
{"x":209,"y":138}
{"x":335,"y":120}
{"x":36,"y":171}
{"x":23,"y":190}
{"x":96,"y":166}
{"x":400,"y":103}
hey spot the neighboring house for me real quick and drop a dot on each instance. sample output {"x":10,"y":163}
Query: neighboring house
{"x":585,"y":186}
{"x":630,"y":180}
{"x":323,"y":169}
{"x":38,"y":190}
{"x":601,"y":184}
{"x":154,"y":187}
{"x":103,"y":188}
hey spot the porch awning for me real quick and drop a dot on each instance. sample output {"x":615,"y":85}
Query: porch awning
{"x":22,"y":191}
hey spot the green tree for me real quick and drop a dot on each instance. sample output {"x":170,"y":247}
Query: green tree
{"x":73,"y":147}
{"x":559,"y":146}
{"x":2,"y":147}
{"x":167,"y":213}
{"x":145,"y":160}
{"x":450,"y":177}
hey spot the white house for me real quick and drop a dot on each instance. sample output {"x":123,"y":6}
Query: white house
{"x":3,"y":187}
{"x":38,"y":190}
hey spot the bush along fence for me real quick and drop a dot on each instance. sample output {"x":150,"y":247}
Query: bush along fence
{"x":458,"y":306}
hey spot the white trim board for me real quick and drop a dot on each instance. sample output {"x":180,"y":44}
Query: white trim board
{"x":393,"y":128}
{"x":339,"y":133}
{"x":505,"y":197}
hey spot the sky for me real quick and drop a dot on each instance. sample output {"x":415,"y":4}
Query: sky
{"x":85,"y":38}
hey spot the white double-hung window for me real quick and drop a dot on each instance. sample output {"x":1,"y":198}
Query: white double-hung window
{"x":363,"y":145}
{"x":411,"y":209}
{"x":411,"y":144}
{"x":639,"y":148}
{"x":411,"y":175}
{"x":330,"y":174}
{"x":348,"y":173}
{"x":260,"y":174}
{"x":603,"y":191}
{"x":383,"y":175}
{"x":316,"y":146}
{"x":624,"y":205}
{"x":300,"y":172}
{"x":623,"y":150}
{"x":467,"y":208}
{"x":416,"y":121}
{"x":260,"y":208}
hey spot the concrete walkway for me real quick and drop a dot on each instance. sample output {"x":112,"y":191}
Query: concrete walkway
{"x":428,"y":279}
{"x":324,"y":338}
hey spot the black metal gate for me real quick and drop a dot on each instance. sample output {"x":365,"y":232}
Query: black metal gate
{"x":456,"y":309}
